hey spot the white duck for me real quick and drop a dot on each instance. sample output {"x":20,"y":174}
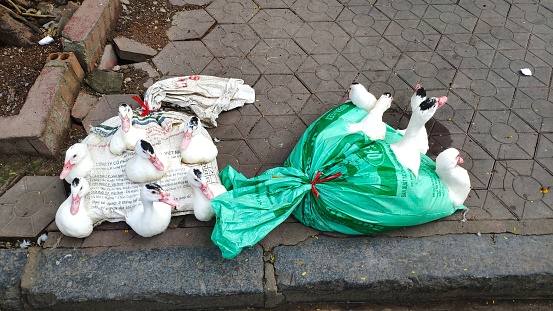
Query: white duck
{"x":153,"y":214}
{"x":406,"y":149}
{"x":360,"y":97}
{"x":78,"y":162}
{"x":418,"y":97}
{"x":145,"y":166}
{"x":372,"y":125}
{"x":202,"y":194}
{"x":454,"y":177}
{"x":195,"y":147}
{"x":126,"y":136}
{"x":72,"y":216}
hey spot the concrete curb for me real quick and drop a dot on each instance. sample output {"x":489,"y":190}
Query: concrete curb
{"x":320,"y":269}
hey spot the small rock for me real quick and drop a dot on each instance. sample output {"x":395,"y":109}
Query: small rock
{"x":132,"y":50}
{"x":109,"y":58}
{"x":127,"y":2}
{"x":116,"y":68}
{"x":105,"y":82}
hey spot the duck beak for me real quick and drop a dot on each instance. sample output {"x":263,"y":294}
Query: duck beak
{"x":442,"y":100}
{"x":206,"y":191}
{"x":156,"y":162}
{"x":186,"y":140}
{"x":66,"y":169}
{"x":165,"y":198}
{"x":460,"y":160}
{"x":75,"y":203}
{"x":125,"y":123}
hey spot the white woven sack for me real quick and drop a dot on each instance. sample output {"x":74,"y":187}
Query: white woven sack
{"x":111,"y":192}
{"x":206,"y":96}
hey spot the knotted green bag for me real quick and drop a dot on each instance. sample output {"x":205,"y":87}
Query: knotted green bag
{"x":332,"y":181}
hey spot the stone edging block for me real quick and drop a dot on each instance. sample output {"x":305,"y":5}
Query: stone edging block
{"x":86,"y":33}
{"x":44,"y":119}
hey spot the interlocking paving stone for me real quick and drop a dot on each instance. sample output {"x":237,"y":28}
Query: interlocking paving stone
{"x":426,"y":68}
{"x":30,"y":206}
{"x":239,"y":155}
{"x":236,"y":123}
{"x":517,"y":183}
{"x":232,"y":11}
{"x":371,"y":53}
{"x":188,"y":25}
{"x":362,"y":21}
{"x":534,"y":107}
{"x":453,"y":117}
{"x":501,"y":34}
{"x":402,"y":9}
{"x":182,"y":58}
{"x":232,"y":67}
{"x":488,"y":9}
{"x":326,"y":72}
{"x":318,"y":104}
{"x":192,"y":2}
{"x":412,"y":35}
{"x":280,"y":95}
{"x":317,"y":10}
{"x":450,"y":19}
{"x":544,"y":151}
{"x":277,"y":56}
{"x":231,"y":40}
{"x":504,"y":135}
{"x":465,"y":51}
{"x":275,"y":4}
{"x":276,"y":23}
{"x":321,"y":38}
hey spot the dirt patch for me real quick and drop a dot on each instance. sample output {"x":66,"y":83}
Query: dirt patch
{"x":19,"y":68}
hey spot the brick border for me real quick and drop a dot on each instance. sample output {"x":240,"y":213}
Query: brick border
{"x":44,"y":119}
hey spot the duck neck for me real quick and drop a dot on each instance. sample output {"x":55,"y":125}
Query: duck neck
{"x":198,"y":193}
{"x":148,"y":208}
{"x":413,"y":128}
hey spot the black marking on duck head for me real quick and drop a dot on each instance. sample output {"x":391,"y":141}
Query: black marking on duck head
{"x":153,"y":186}
{"x":146,"y":146}
{"x":197,"y":173}
{"x":355,"y":83}
{"x":123,"y":105}
{"x":193,"y":122}
{"x":421,"y":92}
{"x":428,"y":103}
{"x":387,"y":94}
{"x":75,"y":182}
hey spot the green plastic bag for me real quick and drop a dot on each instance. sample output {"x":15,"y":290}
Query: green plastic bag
{"x":332,"y":181}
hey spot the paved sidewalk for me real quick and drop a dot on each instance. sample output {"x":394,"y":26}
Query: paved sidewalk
{"x":300,"y":56}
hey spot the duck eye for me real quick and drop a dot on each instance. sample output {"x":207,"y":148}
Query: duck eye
{"x":74,"y":156}
{"x":153,"y":192}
